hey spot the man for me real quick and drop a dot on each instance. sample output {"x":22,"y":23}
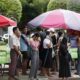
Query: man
{"x":24,"y":49}
{"x":14,"y":44}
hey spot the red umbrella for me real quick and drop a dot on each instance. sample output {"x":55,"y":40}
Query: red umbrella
{"x":4,"y":21}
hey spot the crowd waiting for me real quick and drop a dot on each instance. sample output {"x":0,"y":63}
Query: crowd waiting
{"x":44,"y":50}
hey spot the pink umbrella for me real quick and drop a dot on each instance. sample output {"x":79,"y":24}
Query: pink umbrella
{"x":59,"y":18}
{"x":4,"y":21}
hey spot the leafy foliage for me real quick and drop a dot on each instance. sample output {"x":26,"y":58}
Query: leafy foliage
{"x":40,"y":5}
{"x":55,"y":4}
{"x":32,"y":8}
{"x":74,"y":5}
{"x":11,"y":8}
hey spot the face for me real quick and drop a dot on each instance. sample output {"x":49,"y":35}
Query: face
{"x":51,"y":34}
{"x":18,"y":33}
{"x":25,"y":30}
{"x":63,"y":35}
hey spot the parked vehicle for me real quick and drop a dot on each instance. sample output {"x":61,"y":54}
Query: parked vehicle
{"x":5,"y":37}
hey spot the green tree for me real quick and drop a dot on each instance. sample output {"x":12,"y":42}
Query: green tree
{"x":11,"y":8}
{"x":24,"y":2}
{"x":74,"y":5}
{"x":40,"y":5}
{"x":56,"y":4}
{"x":28,"y":12}
{"x":31,"y":9}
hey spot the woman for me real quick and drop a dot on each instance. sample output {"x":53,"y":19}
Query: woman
{"x":47,"y":54}
{"x":34,"y":43}
{"x":78,"y":51}
{"x":64,"y":68}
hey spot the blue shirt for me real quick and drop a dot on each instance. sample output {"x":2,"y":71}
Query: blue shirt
{"x":23,"y":45}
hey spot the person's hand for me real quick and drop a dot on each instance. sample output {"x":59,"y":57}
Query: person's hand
{"x":39,"y":39}
{"x":20,"y":54}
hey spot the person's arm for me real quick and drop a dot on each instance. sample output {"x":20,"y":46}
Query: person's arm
{"x":48,"y":43}
{"x":16,"y":47}
{"x":32,"y":43}
{"x":17,"y":50}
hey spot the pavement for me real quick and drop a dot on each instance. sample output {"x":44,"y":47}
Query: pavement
{"x":54,"y":77}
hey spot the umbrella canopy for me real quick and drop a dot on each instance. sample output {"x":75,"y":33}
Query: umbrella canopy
{"x":58,"y":18}
{"x":4,"y":21}
{"x":73,"y":32}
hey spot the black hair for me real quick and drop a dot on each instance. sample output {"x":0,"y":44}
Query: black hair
{"x":47,"y":32}
{"x":22,"y":28}
{"x":36,"y":35}
{"x":28,"y":32}
{"x":64,"y":40}
{"x":60,"y":33}
{"x":14,"y":29}
{"x":38,"y":29}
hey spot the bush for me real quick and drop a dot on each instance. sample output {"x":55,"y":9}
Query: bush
{"x":11,"y":8}
{"x":40,"y":5}
{"x":55,"y":4}
{"x":74,"y":5}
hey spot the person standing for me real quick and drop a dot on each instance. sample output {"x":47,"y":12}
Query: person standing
{"x":14,"y":43}
{"x":24,"y":49}
{"x":34,"y":43}
{"x":47,"y":54}
{"x":78,"y":51}
{"x":64,"y":67}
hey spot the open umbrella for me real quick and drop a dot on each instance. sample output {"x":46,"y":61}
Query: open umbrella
{"x":58,"y":18}
{"x":4,"y":21}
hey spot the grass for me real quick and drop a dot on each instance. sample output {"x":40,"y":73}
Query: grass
{"x":6,"y":57}
{"x":73,"y":52}
{"x":4,"y":54}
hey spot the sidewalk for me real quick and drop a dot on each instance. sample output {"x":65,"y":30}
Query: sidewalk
{"x":54,"y":77}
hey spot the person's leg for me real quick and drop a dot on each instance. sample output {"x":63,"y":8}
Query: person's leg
{"x":33,"y":65}
{"x":78,"y":68}
{"x":24,"y":66}
{"x":37,"y":65}
{"x":19,"y":66}
{"x":48,"y":72}
{"x":24,"y":63}
{"x":12,"y":66}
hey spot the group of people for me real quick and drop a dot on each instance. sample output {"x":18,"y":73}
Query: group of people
{"x":42,"y":48}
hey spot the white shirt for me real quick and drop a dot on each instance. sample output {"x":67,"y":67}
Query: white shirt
{"x":14,"y":41}
{"x":46,"y":42}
